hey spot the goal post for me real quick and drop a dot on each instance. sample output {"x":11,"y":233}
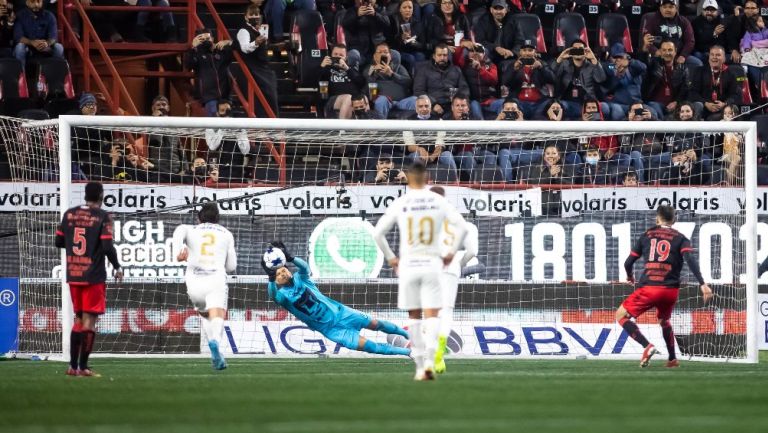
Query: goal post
{"x":551,"y":281}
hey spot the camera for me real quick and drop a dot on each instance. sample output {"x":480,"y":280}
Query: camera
{"x":639,"y":111}
{"x":576,"y":51}
{"x":590,"y":116}
{"x":384,"y":59}
{"x":510,"y":115}
{"x":657,"y":40}
{"x":527,"y":61}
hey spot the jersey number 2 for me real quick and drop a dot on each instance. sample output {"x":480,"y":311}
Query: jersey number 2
{"x":210,"y":239}
{"x":660,"y":248}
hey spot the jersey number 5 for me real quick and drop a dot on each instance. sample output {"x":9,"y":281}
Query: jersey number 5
{"x":660,"y":248}
{"x":426,"y":227}
{"x":210,"y":239}
{"x":79,"y":243}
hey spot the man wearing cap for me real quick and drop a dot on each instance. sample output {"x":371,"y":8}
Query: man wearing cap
{"x":490,"y":31}
{"x":577,"y":75}
{"x":624,"y":81}
{"x":481,"y":75}
{"x":668,"y":25}
{"x":210,"y":63}
{"x":709,"y":29}
{"x":527,"y":81}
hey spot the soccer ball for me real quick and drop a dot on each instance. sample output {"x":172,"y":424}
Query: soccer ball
{"x":274,"y":258}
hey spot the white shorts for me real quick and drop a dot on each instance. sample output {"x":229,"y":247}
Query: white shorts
{"x":449,"y":285}
{"x":207,"y":292}
{"x":418,"y":288}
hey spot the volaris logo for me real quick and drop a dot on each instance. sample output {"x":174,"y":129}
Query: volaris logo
{"x":344,"y":248}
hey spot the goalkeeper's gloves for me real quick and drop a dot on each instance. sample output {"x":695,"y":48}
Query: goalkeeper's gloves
{"x":271,"y":273}
{"x":281,"y":245}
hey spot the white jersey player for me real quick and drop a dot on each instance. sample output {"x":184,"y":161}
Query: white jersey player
{"x":420,"y":215}
{"x":209,"y":250}
{"x":449,"y":282}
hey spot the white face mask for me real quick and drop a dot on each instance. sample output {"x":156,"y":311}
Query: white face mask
{"x":592,"y":160}
{"x":423,"y":116}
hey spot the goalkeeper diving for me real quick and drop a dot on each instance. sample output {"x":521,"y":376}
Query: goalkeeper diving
{"x":298,"y":294}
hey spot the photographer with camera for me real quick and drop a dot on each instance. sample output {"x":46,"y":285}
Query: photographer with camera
{"x":252,"y":43}
{"x":467,"y":155}
{"x":624,"y":81}
{"x":210,"y":63}
{"x":513,"y":156}
{"x":385,"y":172}
{"x":343,"y":81}
{"x":527,"y":80}
{"x":668,"y":25}
{"x":392,"y":82}
{"x":481,"y":75}
{"x":577,"y":75}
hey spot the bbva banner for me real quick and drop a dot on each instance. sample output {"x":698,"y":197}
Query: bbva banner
{"x":374,"y":199}
{"x":468,"y":339}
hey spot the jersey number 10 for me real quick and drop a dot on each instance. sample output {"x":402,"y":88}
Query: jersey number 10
{"x":426,"y":228}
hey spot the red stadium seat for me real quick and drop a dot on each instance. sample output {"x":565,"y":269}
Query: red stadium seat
{"x":310,"y":46}
{"x":613,"y":28}
{"x":14,"y":83}
{"x":528,"y":27}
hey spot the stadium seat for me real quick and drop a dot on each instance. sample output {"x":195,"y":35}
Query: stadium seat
{"x":440,"y":173}
{"x":527,"y":27}
{"x":764,"y":85}
{"x":339,"y":37}
{"x":54,"y":80}
{"x":547,"y":10}
{"x":310,"y":46}
{"x":568,"y":28}
{"x":612,"y":28}
{"x":743,"y":80}
{"x":482,"y":174}
{"x":592,"y":10}
{"x":14,"y":82}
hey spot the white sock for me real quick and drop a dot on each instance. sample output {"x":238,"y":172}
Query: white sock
{"x":217,"y":329}
{"x":417,"y":342}
{"x":205,"y":327}
{"x":446,"y":321}
{"x":431,"y":328}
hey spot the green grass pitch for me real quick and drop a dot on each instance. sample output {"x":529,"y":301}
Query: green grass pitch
{"x":356,"y":396}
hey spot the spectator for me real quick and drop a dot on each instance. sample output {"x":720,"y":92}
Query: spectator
{"x":685,"y":112}
{"x":731,"y":150}
{"x":714,"y":85}
{"x":164,"y":149}
{"x":408,"y":35}
{"x":624,"y":81}
{"x":754,"y":48}
{"x":91,"y":148}
{"x":210,"y":63}
{"x":364,"y":26}
{"x":203,"y":173}
{"x":467,"y":155}
{"x":686,"y":168}
{"x":577,"y":74}
{"x":275,"y":11}
{"x":35,"y":32}
{"x":668,"y":25}
{"x":226,"y":156}
{"x":368,"y":155}
{"x":440,"y":80}
{"x":609,"y":145}
{"x":667,"y":81}
{"x":7,"y":20}
{"x":424,"y":9}
{"x":550,"y":172}
{"x":481,"y":76}
{"x":513,"y":156}
{"x":127,"y":164}
{"x":527,"y":80}
{"x":738,"y":26}
{"x":594,"y":170}
{"x":428,"y":153}
{"x":554,"y":112}
{"x":169,"y":25}
{"x":709,"y":28}
{"x":630,"y":179}
{"x":449,"y":26}
{"x":343,"y":81}
{"x":386,"y":172}
{"x":643,"y":148}
{"x":253,"y":44}
{"x":393,"y":83}
{"x":489,"y":31}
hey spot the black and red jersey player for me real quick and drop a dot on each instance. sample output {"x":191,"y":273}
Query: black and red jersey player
{"x":664,"y":249}
{"x":86,"y":234}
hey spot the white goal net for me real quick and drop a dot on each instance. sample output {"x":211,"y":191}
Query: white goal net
{"x":555,"y":226}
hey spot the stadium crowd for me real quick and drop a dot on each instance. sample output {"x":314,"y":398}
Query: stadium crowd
{"x":430,"y":60}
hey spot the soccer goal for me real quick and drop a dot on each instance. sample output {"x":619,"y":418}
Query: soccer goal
{"x":554,"y":228}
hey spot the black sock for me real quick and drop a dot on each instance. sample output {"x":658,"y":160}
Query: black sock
{"x":634,"y":332}
{"x":87,"y":347}
{"x":669,"y":338}
{"x":75,"y":341}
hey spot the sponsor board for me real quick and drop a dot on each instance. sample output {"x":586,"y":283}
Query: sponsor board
{"x":478,"y":339}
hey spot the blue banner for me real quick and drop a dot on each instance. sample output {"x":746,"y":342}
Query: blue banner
{"x":9,"y":314}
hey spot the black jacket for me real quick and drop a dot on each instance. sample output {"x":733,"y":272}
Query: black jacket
{"x":654,"y":80}
{"x":704,"y":34}
{"x":395,"y":35}
{"x":436,"y":30}
{"x":590,"y":77}
{"x":488,"y":33}
{"x":364,"y":32}
{"x":701,"y":86}
{"x":435,"y":82}
{"x":211,"y":72}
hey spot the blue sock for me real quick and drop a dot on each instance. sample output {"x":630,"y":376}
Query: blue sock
{"x":390,"y":328}
{"x":385,"y":349}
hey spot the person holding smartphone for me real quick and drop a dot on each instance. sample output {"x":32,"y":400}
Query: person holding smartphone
{"x":668,"y":25}
{"x":577,"y":75}
{"x":210,"y":62}
{"x":624,"y":81}
{"x":365,"y":25}
{"x":392,"y":80}
{"x":252,"y":43}
{"x":527,"y":80}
